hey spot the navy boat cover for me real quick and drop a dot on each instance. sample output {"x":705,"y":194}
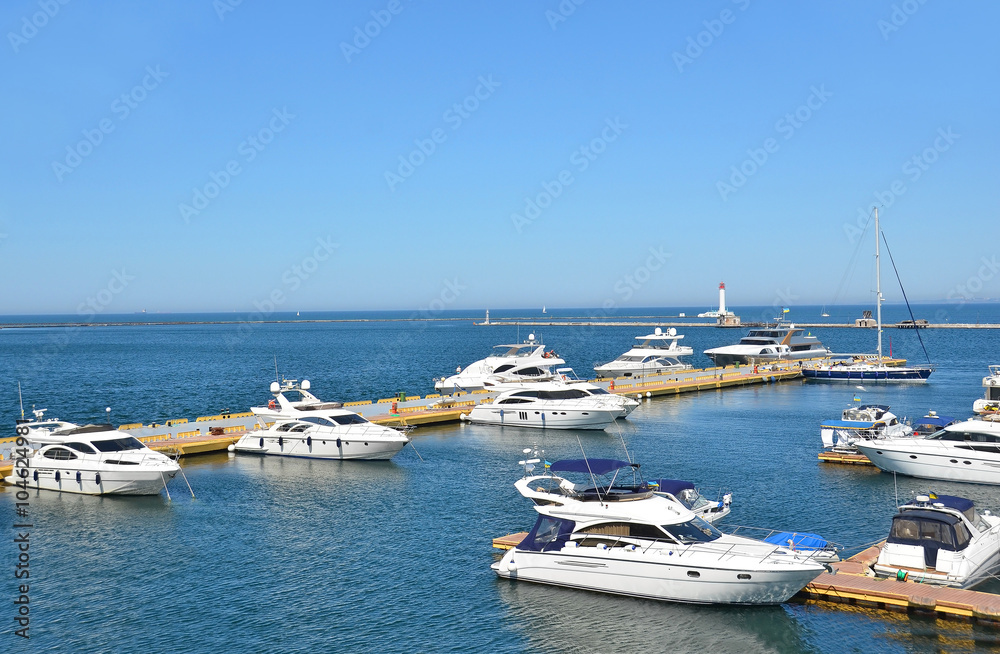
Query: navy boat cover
{"x":672,"y":486}
{"x":951,"y":501}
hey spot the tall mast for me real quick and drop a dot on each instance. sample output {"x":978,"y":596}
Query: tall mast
{"x":878,"y":289}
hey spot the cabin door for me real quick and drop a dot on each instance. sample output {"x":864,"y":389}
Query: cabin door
{"x":930,"y":555}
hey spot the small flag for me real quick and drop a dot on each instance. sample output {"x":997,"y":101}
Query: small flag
{"x":933,"y":496}
{"x":548,"y":465}
{"x":857,"y":399}
{"x":785,"y":310}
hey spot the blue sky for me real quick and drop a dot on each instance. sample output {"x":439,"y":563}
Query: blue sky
{"x":212,"y":157}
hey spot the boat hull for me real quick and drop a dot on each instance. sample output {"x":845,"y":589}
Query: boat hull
{"x":112,"y":482}
{"x":556,"y":419}
{"x":349,"y":448}
{"x":637,"y":574}
{"x":848,"y":373}
{"x":935,"y":463}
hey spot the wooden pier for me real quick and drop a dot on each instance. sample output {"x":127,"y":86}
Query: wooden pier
{"x":852,"y":582}
{"x":849,"y":458}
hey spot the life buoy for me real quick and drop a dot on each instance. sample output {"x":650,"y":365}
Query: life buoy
{"x":565,"y":378}
{"x":272,"y":405}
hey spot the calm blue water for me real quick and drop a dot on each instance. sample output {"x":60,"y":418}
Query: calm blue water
{"x":305,"y":556}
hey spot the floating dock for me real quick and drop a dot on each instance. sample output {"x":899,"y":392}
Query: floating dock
{"x":850,"y":583}
{"x":849,"y":458}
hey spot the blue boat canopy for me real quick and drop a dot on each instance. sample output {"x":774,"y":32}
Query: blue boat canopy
{"x":797,"y":541}
{"x":848,"y":424}
{"x":672,"y":486}
{"x":952,"y":502}
{"x":596,"y":466}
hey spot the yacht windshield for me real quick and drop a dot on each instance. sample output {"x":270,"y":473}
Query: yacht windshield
{"x":511,"y":351}
{"x":693,"y":531}
{"x":349,"y":419}
{"x":118,"y":445}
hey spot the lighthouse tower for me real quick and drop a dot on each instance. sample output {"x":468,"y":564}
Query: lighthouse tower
{"x":722,"y":298}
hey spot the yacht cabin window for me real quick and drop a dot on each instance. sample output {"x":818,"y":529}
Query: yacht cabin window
{"x":81,"y":447}
{"x":59,"y":454}
{"x":693,"y":531}
{"x":349,"y":419}
{"x":118,"y":444}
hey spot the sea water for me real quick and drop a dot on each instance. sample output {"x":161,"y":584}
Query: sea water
{"x":297,"y":555}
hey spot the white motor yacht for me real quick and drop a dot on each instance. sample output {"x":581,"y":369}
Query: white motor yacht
{"x":654,"y":354}
{"x":566,"y":378}
{"x":963,"y":451}
{"x":92,"y":460}
{"x":941,"y":540}
{"x":343,"y":435}
{"x":779,"y":343}
{"x":862,"y":422}
{"x":527,"y":361}
{"x":990,"y":402}
{"x":629,"y":540}
{"x":297,"y":423}
{"x":548,"y":405}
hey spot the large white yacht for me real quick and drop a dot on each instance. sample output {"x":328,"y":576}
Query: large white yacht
{"x":525,"y":361}
{"x":549,"y":405}
{"x":629,"y":540}
{"x":566,"y":378}
{"x":990,"y":402}
{"x":655,"y":353}
{"x":781,"y":342}
{"x":305,"y":426}
{"x":963,"y":451}
{"x":92,"y":460}
{"x":941,"y":540}
{"x":343,"y":436}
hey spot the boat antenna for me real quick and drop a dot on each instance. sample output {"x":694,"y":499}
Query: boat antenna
{"x":597,"y":488}
{"x":20,"y":399}
{"x":276,"y":378}
{"x":915,"y":327}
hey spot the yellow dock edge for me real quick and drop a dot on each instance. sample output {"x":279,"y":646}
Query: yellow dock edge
{"x":845,"y":458}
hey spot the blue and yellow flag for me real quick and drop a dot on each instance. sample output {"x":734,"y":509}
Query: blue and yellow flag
{"x":785,"y":310}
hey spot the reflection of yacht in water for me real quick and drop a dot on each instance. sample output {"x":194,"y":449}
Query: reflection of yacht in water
{"x":780,"y":342}
{"x":525,"y":361}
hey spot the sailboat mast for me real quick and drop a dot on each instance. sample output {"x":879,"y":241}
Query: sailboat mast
{"x":878,"y":289}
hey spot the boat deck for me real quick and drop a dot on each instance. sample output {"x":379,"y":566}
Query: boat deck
{"x":853,"y":458}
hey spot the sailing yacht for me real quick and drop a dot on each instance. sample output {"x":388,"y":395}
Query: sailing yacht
{"x":869,"y":370}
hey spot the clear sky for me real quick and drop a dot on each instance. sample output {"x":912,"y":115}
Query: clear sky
{"x":402,"y":154}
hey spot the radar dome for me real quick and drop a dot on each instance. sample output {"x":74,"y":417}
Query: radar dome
{"x":306,"y":385}
{"x":275,"y":387}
